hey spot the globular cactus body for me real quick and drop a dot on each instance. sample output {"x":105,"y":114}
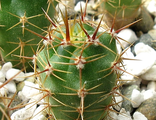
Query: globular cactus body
{"x":124,"y":11}
{"x":15,"y":15}
{"x":78,"y":69}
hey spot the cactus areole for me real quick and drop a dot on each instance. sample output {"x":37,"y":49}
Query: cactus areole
{"x":76,"y":67}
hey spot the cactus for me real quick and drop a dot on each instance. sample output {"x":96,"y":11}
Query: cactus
{"x":4,"y":115}
{"x":78,"y":65}
{"x":124,"y":11}
{"x":15,"y":15}
{"x":4,"y":110}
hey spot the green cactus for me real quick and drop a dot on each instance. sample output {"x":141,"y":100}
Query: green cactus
{"x":78,"y":67}
{"x":124,"y":11}
{"x":15,"y":15}
{"x":4,"y":115}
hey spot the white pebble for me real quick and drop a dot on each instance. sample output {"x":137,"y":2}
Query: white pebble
{"x":31,"y":105}
{"x":143,"y":48}
{"x":39,"y":113}
{"x":21,"y":96}
{"x":123,"y":115}
{"x":151,"y":86}
{"x":152,"y":33}
{"x":2,"y":76}
{"x":24,"y":113}
{"x":118,"y":101}
{"x":152,"y":7}
{"x":11,"y":86}
{"x":113,"y":115}
{"x":139,"y":116}
{"x":3,"y":90}
{"x":39,"y":117}
{"x":128,"y":35}
{"x":128,"y":54}
{"x":30,"y":90}
{"x":118,"y":46}
{"x":150,"y":74}
{"x":154,"y":27}
{"x":77,"y":8}
{"x":145,"y":58}
{"x":126,"y":76}
{"x":6,"y":67}
{"x":29,"y":74}
{"x":148,"y":94}
{"x":21,"y":114}
{"x":12,"y":72}
{"x":137,"y":98}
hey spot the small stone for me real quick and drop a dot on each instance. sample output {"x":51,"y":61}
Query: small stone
{"x":2,"y":76}
{"x":127,"y":92}
{"x":154,"y":27}
{"x":127,"y":35}
{"x":16,"y":102}
{"x":11,"y":86}
{"x":137,"y":98}
{"x":39,"y":113}
{"x":113,"y":115}
{"x":151,"y":86}
{"x":139,"y":116}
{"x":20,"y":85}
{"x":148,"y":94}
{"x":123,"y":115}
{"x":118,"y":101}
{"x":118,"y":46}
{"x":12,"y":72}
{"x":22,"y":97}
{"x":128,"y":54}
{"x":152,"y":33}
{"x":3,"y":90}
{"x":30,"y":90}
{"x":31,"y":79}
{"x":152,"y":7}
{"x":39,"y":117}
{"x":145,"y":58}
{"x":143,"y":48}
{"x":63,"y":6}
{"x":24,"y":113}
{"x":148,"y":40}
{"x":148,"y":108}
{"x":6,"y":67}
{"x":128,"y":78}
{"x":78,"y":6}
{"x":146,"y":22}
{"x":150,"y":74}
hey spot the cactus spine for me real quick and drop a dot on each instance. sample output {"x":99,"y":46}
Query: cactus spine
{"x":78,"y":67}
{"x":124,"y":11}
